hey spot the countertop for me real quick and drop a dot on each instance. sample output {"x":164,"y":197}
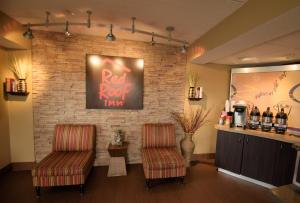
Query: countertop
{"x":269,"y":135}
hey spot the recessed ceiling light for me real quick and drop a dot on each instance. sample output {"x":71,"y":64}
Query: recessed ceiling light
{"x":248,"y":58}
{"x":59,"y":15}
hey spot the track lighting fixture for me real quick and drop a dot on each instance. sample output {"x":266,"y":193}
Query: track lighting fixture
{"x":110,"y":36}
{"x":89,"y":18}
{"x":133,"y":24}
{"x":67,"y":32}
{"x":28,"y":33}
{"x":152,"y":40}
{"x":184,"y":48}
{"x":47,"y":18}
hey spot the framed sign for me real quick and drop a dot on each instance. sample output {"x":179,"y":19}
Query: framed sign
{"x":114,"y":82}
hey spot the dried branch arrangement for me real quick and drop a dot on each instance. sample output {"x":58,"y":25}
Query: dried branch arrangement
{"x":193,"y":77}
{"x":192,"y":119}
{"x":19,"y":67}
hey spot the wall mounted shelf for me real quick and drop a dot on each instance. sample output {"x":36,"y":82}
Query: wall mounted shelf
{"x":194,"y":99}
{"x":17,"y":93}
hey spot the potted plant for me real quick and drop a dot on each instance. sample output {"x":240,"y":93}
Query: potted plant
{"x":118,"y":137}
{"x":190,"y":121}
{"x":20,"y":68}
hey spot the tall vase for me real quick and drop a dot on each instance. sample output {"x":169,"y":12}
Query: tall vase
{"x":192,"y":92}
{"x":22,"y":85}
{"x":187,"y":148}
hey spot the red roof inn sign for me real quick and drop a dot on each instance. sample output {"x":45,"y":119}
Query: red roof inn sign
{"x":114,"y":82}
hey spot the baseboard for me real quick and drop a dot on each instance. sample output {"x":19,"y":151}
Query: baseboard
{"x":22,"y":166}
{"x":199,"y":157}
{"x":208,"y":158}
{"x":266,"y":185}
{"x":5,"y":169}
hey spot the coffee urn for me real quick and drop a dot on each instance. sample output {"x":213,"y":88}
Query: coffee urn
{"x":266,"y":120}
{"x":281,"y":122}
{"x":254,"y":118}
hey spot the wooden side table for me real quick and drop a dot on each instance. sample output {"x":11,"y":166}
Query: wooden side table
{"x":117,"y":162}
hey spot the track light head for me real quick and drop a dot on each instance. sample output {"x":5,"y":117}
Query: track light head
{"x":110,"y":36}
{"x":28,"y":33}
{"x":184,"y":48}
{"x":67,"y":32}
{"x":152,"y":40}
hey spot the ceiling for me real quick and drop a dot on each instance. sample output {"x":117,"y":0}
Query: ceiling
{"x":191,"y":18}
{"x":282,"y":49}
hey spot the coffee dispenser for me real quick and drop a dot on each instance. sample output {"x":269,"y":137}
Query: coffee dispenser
{"x":266,"y":120}
{"x":240,"y":113}
{"x":281,"y":122}
{"x":254,"y":118}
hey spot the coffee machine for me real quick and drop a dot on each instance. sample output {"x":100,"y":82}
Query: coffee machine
{"x":281,"y":122}
{"x":240,"y":115}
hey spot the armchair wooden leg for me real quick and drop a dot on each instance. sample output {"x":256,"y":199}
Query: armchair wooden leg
{"x":181,"y":179}
{"x":81,"y":189}
{"x":38,"y":191}
{"x":148,"y":183}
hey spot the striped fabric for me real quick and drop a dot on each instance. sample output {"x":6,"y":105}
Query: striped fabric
{"x":48,"y":181}
{"x":158,"y":135}
{"x":160,"y":157}
{"x":70,"y":137}
{"x":64,"y":164}
{"x":72,"y":157}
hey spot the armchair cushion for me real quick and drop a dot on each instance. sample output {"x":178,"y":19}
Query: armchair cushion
{"x":64,"y":164}
{"x":162,"y":158}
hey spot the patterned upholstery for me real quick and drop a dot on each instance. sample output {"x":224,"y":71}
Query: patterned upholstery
{"x":64,"y":164}
{"x":160,"y":156}
{"x":162,"y":163}
{"x":73,"y":137}
{"x":158,"y":135}
{"x":72,"y":157}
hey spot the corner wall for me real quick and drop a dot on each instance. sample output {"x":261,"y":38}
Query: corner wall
{"x":4,"y":119}
{"x":215,"y":80}
{"x":21,"y":118}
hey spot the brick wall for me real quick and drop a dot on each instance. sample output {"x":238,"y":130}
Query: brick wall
{"x":59,"y":89}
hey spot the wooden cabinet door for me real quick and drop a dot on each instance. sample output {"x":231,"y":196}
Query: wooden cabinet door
{"x":229,"y":151}
{"x":285,"y":164}
{"x":259,"y":158}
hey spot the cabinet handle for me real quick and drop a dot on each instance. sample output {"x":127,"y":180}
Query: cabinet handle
{"x":247,"y":140}
{"x":281,"y":146}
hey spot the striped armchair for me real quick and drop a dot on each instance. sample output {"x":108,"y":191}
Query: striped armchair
{"x":160,"y":156}
{"x":71,"y":159}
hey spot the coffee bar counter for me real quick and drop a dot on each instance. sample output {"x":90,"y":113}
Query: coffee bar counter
{"x":269,"y":135}
{"x":264,"y":158}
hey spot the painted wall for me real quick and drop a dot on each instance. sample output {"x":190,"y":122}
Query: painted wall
{"x":21,"y":118}
{"x":59,"y":94}
{"x":20,"y":114}
{"x":16,"y":117}
{"x":4,"y":120}
{"x":215,"y":80}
